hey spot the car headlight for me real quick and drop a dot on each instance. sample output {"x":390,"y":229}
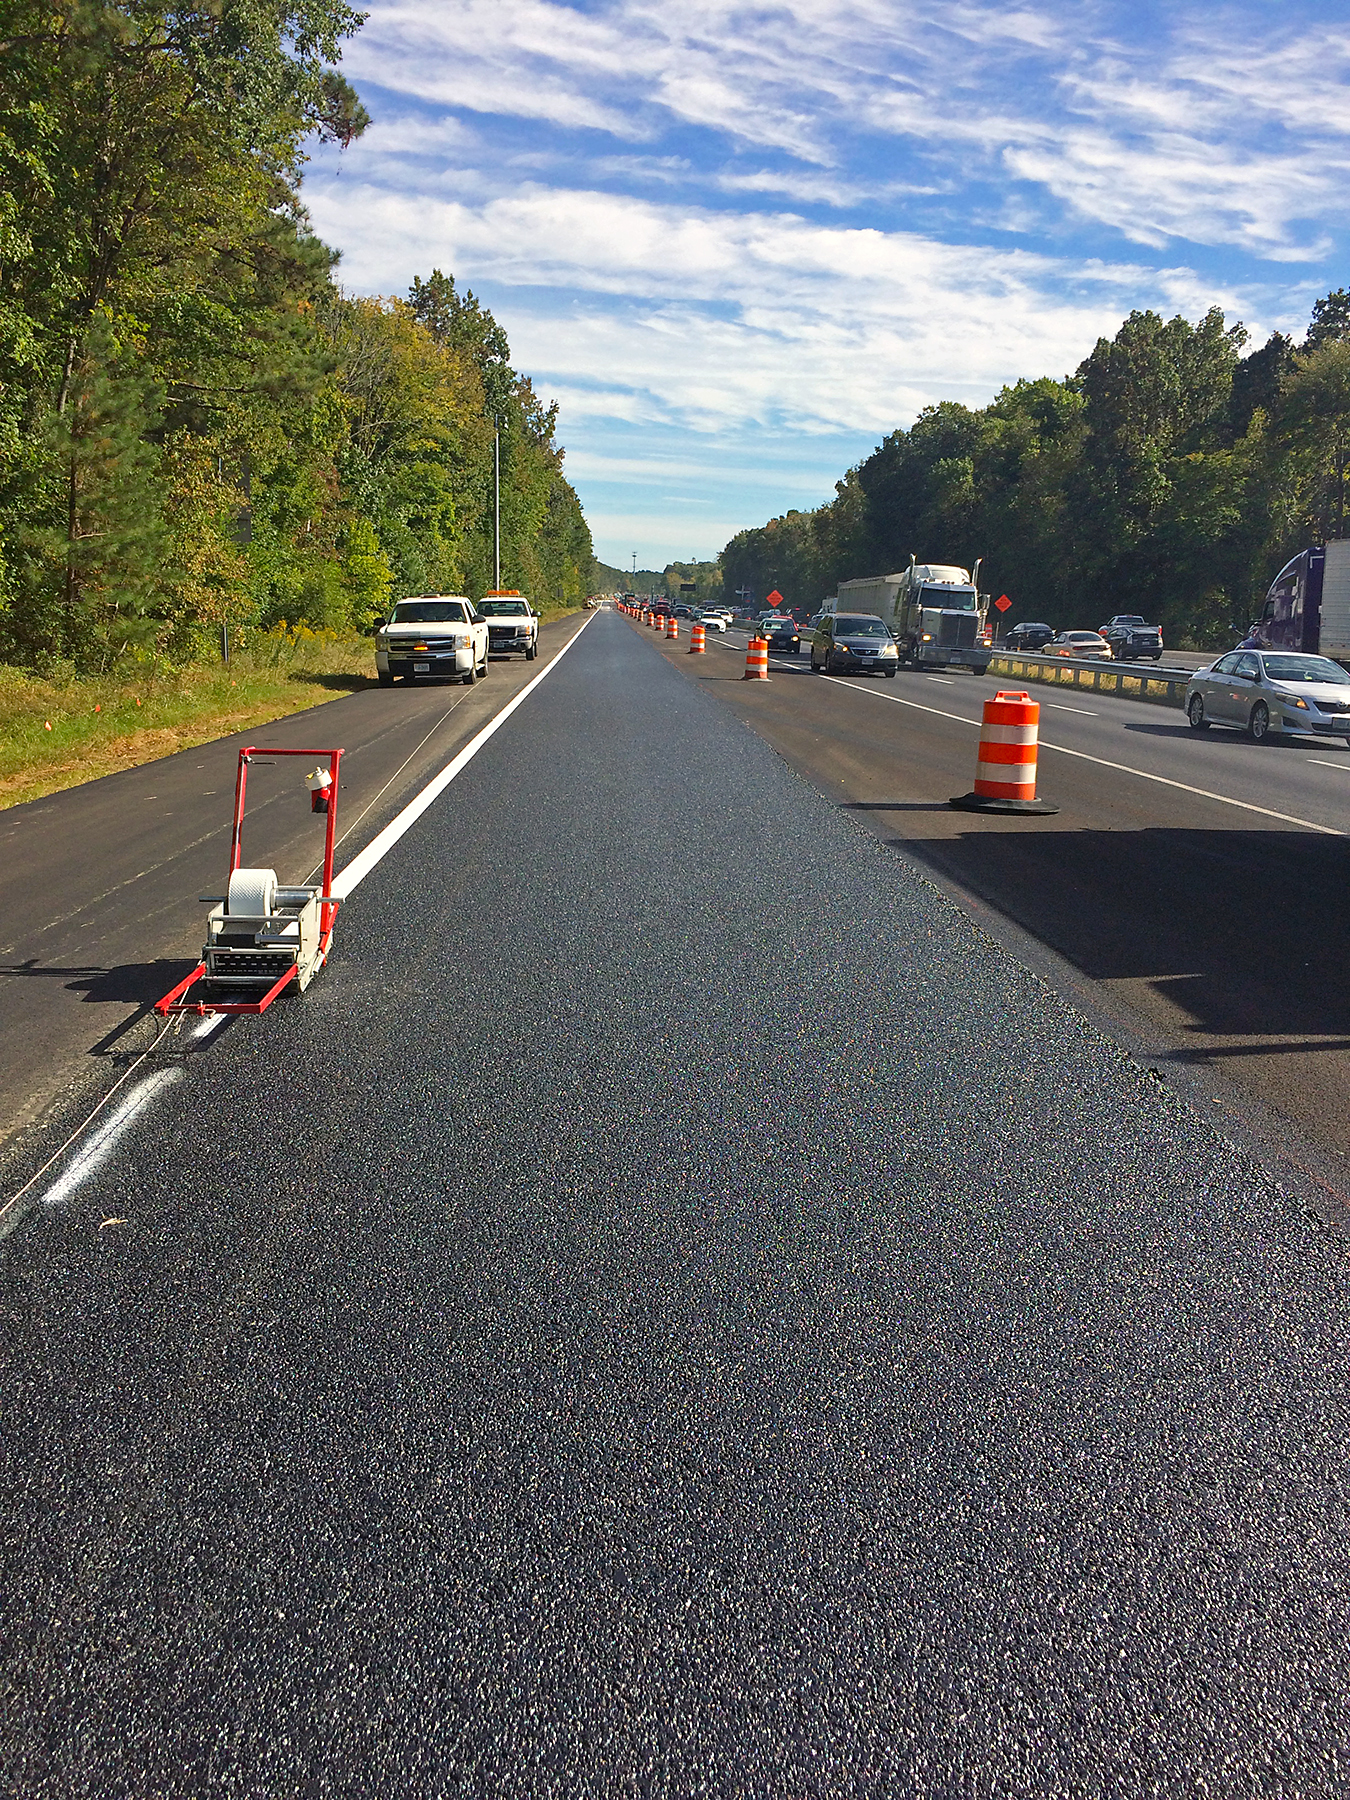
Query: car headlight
{"x":1291,"y":700}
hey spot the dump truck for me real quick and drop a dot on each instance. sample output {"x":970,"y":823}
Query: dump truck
{"x":1308,"y":605}
{"x":934,"y":610}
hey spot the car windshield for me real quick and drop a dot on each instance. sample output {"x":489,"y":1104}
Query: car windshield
{"x":501,"y":609}
{"x":1305,"y":668}
{"x":860,"y":628}
{"x":428,"y":612}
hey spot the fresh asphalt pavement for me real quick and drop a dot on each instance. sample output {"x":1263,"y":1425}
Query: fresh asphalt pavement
{"x":581,"y":1347}
{"x":98,"y":885}
{"x":1194,"y":884}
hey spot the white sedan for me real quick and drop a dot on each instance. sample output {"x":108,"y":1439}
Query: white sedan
{"x":713,"y":621}
{"x":1265,"y":691}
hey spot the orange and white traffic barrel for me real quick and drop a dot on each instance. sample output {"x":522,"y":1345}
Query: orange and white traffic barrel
{"x":698,"y":640}
{"x":660,"y":621}
{"x":1005,"y":768}
{"x":756,"y":660}
{"x":672,"y":628}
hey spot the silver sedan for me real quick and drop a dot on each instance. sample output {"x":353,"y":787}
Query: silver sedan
{"x":1266,"y":691}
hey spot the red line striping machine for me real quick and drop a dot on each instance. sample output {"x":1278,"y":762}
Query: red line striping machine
{"x":260,"y":937}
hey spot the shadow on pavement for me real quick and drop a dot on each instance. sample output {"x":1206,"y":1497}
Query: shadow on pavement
{"x":340,"y":684}
{"x":132,"y":984}
{"x":894,"y":806}
{"x":1243,"y":930}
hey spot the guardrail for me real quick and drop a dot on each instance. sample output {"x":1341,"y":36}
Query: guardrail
{"x":1162,"y":689}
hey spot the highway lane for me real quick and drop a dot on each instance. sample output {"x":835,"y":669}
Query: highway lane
{"x":98,"y":884}
{"x":487,"y":1375}
{"x":1305,"y":779}
{"x":1209,"y":930}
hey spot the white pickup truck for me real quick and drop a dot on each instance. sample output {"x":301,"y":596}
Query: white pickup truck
{"x":442,"y":634}
{"x":513,"y":624}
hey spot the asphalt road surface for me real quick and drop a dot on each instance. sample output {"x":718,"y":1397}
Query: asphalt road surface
{"x":1194,"y":884}
{"x":582,"y":1347}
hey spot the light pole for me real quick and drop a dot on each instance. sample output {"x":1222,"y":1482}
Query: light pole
{"x":496,"y":503}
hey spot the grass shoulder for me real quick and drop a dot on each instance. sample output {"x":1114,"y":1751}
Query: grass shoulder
{"x":59,"y":731}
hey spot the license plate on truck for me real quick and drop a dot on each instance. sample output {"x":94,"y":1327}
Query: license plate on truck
{"x":421,"y":668}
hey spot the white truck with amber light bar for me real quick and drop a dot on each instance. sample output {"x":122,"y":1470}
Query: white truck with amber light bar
{"x":429,"y":635}
{"x":513,"y":624}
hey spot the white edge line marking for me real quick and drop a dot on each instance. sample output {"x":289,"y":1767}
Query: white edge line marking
{"x":104,"y":1141}
{"x":1086,"y":711}
{"x":1343,"y":767}
{"x":1121,"y":768}
{"x":379,"y":846}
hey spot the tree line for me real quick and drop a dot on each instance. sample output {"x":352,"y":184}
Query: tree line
{"x":1170,"y":475}
{"x":198,"y":428}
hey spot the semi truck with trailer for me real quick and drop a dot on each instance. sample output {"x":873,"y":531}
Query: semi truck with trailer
{"x":1308,"y":605}
{"x":934,"y":611}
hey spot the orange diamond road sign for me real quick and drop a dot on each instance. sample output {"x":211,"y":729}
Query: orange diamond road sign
{"x":1003,"y":603}
{"x":773,"y":599}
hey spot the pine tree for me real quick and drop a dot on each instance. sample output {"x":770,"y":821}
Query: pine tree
{"x":104,"y":564}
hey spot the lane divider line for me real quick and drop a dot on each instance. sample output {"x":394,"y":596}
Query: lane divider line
{"x":351,"y":877}
{"x":1343,"y":767}
{"x":1103,"y":762}
{"x":388,"y":784}
{"x":104,"y":1141}
{"x":127,"y":1073}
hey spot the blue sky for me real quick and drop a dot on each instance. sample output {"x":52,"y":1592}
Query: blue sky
{"x":738,"y":244}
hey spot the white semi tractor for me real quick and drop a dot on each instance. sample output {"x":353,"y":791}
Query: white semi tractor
{"x":934,"y":612}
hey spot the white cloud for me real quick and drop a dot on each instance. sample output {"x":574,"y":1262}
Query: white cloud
{"x":661,"y":313}
{"x":1233,"y":129}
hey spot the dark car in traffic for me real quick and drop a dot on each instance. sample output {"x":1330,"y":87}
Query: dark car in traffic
{"x":1132,"y":639}
{"x":1030,"y":636}
{"x":782,"y":634}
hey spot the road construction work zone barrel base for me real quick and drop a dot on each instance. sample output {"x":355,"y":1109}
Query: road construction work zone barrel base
{"x":984,"y":803}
